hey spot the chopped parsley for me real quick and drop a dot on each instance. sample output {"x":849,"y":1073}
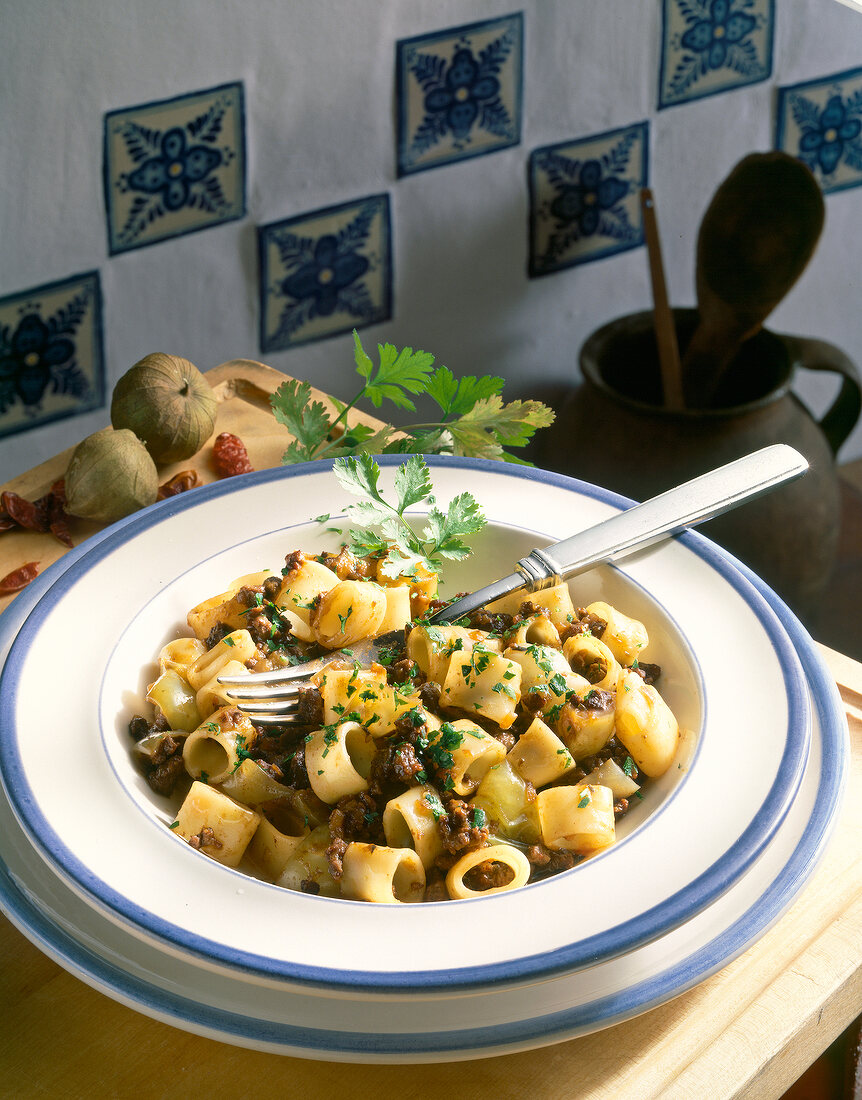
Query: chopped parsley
{"x":434,"y":805}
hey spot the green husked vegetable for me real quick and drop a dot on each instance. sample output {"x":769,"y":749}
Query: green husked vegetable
{"x":475,"y":421}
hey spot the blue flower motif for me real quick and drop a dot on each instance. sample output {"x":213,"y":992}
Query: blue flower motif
{"x":32,"y":358}
{"x":464,"y":90}
{"x":324,"y":277}
{"x":712,"y":36}
{"x":823,"y":143}
{"x":175,"y":170}
{"x":583,"y":202}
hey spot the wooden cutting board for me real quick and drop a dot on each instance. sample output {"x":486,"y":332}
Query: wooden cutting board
{"x":243,"y":389}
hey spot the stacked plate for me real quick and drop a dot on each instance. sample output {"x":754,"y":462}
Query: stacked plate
{"x":712,"y":856}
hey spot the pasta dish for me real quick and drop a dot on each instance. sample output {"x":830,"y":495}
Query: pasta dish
{"x":464,"y":760}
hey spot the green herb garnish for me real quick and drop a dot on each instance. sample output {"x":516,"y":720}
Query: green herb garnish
{"x":475,"y":421}
{"x":395,"y":540}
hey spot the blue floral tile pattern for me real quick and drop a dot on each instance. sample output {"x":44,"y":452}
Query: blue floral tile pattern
{"x":459,"y":93}
{"x":174,"y":167}
{"x":711,"y":46}
{"x":821,"y":123}
{"x":325,"y":272}
{"x":51,"y":359}
{"x":585,"y":198}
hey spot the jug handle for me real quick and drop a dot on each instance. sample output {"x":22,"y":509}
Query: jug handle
{"x":811,"y":354}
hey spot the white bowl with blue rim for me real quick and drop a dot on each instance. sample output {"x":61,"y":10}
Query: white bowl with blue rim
{"x":79,"y":663}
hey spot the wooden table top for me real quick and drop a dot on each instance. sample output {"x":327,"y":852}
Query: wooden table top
{"x":748,"y":1031}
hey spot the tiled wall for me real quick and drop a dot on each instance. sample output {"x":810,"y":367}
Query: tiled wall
{"x":257,"y":179}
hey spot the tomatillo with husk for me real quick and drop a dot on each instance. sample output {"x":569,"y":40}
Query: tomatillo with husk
{"x":168,"y":404}
{"x":110,"y":475}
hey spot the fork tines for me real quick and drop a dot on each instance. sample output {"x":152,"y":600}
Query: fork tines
{"x":263,"y":703}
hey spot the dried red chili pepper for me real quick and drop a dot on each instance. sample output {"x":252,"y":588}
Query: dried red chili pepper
{"x":58,"y":518}
{"x":31,"y":514}
{"x":19,"y":578}
{"x":179,"y":483}
{"x":46,"y":515}
{"x":230,"y":456}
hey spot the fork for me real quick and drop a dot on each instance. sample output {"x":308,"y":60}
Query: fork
{"x":273,"y":697}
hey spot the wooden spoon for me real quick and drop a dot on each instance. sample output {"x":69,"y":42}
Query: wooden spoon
{"x":665,"y":329}
{"x":757,"y":235}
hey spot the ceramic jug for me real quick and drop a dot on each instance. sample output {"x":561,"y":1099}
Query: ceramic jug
{"x":611,"y":430}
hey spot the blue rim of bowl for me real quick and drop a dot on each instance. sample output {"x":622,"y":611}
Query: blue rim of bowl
{"x":618,"y":940}
{"x":229,"y":1026}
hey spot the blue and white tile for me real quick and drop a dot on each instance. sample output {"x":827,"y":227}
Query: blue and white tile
{"x":459,"y":93}
{"x":585,"y":198}
{"x":711,"y":46}
{"x":325,"y":272}
{"x":820,"y":122}
{"x":174,"y":167}
{"x":51,"y":353}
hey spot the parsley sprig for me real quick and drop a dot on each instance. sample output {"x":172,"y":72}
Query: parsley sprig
{"x":474,"y":420}
{"x":385,"y":529}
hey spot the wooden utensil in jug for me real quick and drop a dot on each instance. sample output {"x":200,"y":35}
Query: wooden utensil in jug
{"x":665,"y":329}
{"x":757,"y":235}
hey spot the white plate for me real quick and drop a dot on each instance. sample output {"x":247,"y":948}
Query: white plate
{"x":93,"y":819}
{"x":226,"y":1007}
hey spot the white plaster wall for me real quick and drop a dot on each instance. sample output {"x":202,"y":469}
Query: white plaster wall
{"x":319,"y":80}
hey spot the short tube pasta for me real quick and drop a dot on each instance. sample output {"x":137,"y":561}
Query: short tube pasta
{"x":338,"y":760}
{"x":410,"y":821}
{"x":546,"y":670}
{"x":586,"y":723}
{"x":216,"y":825}
{"x":540,"y":756}
{"x":360,"y":695}
{"x":646,"y":725}
{"x":434,"y":647}
{"x":537,"y":630}
{"x":373,"y":872}
{"x":483,"y":681}
{"x":420,"y":582}
{"x":212,"y":695}
{"x":397,"y":614}
{"x":513,"y":863}
{"x":307,"y":865}
{"x":624,"y":636}
{"x":578,"y":819}
{"x":589,"y":657}
{"x":557,"y":600}
{"x":252,"y":786}
{"x":224,"y":608}
{"x":236,"y":646}
{"x":303,"y":585}
{"x":349,"y":611}
{"x":180,"y":654}
{"x":466,"y":753}
{"x":609,"y":774}
{"x":212,"y":750}
{"x":174,"y":697}
{"x":270,"y":849}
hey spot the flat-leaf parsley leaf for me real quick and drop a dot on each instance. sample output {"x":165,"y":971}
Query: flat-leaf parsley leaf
{"x":443,"y":535}
{"x":476,"y":422}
